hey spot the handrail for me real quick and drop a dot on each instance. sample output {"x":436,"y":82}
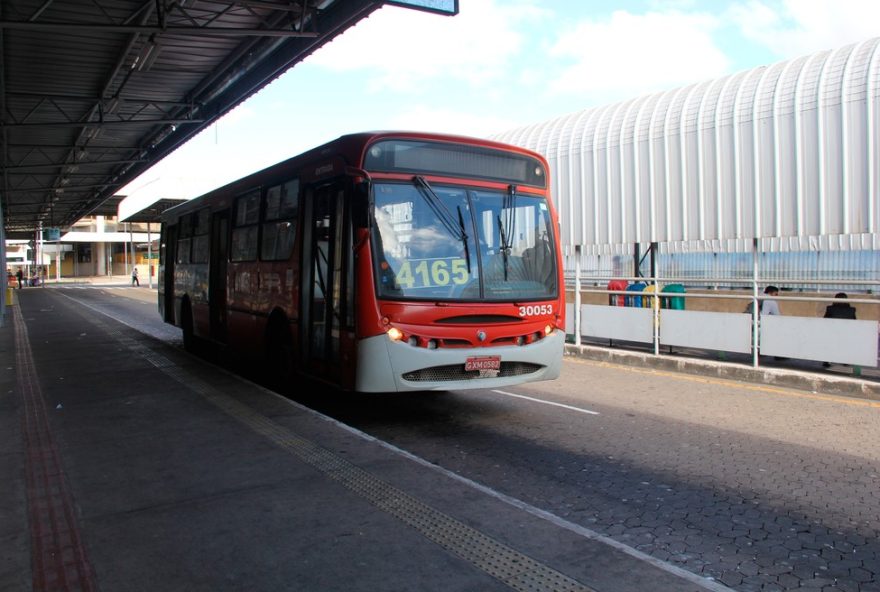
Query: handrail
{"x":728,"y":296}
{"x":741,"y":280}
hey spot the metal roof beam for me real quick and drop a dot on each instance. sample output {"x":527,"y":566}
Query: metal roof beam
{"x":55,"y":165}
{"x":99,"y":124}
{"x":153,"y":30}
{"x":128,"y":101}
{"x":59,"y":190}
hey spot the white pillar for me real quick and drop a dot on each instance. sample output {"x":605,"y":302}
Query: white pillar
{"x":100,"y":249}
{"x":577,"y":295}
{"x":149,"y":255}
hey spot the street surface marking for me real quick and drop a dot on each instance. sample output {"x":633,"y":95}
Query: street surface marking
{"x":578,"y":409}
{"x":704,"y":583}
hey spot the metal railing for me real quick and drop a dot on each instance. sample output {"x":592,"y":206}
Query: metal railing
{"x":753,"y":288}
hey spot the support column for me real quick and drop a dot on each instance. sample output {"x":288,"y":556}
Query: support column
{"x":100,"y":249}
{"x":655,"y":302}
{"x":149,"y":255}
{"x":4,"y":283}
{"x":133,"y":250}
{"x":756,"y":304}
{"x":577,"y":295}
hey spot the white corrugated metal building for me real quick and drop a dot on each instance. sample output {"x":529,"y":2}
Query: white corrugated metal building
{"x":787,"y":150}
{"x":778,"y":159}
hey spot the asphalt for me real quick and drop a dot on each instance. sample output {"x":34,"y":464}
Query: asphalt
{"x":130,"y":465}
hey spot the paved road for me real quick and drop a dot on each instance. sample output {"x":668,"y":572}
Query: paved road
{"x":757,"y":487}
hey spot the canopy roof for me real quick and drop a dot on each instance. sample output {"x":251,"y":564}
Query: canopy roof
{"x":92,"y":93}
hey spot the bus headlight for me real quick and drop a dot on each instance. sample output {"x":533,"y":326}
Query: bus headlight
{"x":395,"y":334}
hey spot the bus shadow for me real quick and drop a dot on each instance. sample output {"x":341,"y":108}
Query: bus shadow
{"x":363,"y":410}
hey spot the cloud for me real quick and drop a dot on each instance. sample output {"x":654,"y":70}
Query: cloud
{"x":791,"y":28}
{"x":403,"y":49}
{"x":626,"y":54}
{"x":450,"y":121}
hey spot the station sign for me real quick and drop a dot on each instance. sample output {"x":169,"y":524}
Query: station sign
{"x":51,"y":234}
{"x":447,"y":7}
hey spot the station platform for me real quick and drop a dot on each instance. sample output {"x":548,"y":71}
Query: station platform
{"x":130,"y":465}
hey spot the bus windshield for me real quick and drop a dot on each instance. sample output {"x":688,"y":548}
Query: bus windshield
{"x":437,"y":242}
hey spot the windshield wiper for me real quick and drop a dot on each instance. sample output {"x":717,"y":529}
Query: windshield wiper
{"x":507,"y":228}
{"x":453,"y":227}
{"x":464,"y":239}
{"x":509,"y":207}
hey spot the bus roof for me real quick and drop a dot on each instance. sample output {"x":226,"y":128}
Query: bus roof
{"x":351,"y":147}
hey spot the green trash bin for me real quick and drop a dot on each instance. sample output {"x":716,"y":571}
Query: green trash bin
{"x":676,"y":302}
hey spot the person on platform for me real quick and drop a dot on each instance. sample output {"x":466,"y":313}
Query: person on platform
{"x":20,"y":277}
{"x":134,"y":276}
{"x":770,"y":306}
{"x":840,"y":309}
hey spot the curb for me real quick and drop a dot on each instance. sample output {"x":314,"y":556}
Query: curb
{"x":807,"y":381}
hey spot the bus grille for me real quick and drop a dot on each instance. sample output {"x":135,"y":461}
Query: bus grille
{"x":457,"y":372}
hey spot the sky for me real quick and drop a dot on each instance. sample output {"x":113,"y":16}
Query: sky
{"x":498,"y":65}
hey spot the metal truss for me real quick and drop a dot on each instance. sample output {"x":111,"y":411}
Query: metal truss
{"x":94,"y":91}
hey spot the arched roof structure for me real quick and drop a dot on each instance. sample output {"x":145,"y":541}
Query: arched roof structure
{"x":782,"y":151}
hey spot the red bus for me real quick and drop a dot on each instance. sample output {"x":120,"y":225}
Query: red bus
{"x":379,"y":262}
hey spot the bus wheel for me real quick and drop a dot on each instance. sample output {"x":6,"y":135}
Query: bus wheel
{"x":279,"y":355}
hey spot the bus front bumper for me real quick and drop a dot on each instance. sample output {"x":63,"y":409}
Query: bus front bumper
{"x":396,"y":366}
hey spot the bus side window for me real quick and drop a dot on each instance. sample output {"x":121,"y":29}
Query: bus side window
{"x":201,"y":228}
{"x":246,"y":226}
{"x":280,"y":218}
{"x":184,"y":238}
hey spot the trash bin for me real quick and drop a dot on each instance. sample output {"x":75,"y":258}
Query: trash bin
{"x":676,"y":302}
{"x":635,"y":288}
{"x":617,"y":299}
{"x":647,"y":298}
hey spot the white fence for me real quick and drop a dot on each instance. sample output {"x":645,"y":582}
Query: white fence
{"x":841,"y":341}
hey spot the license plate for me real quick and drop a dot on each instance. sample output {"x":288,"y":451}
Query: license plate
{"x":483,"y":363}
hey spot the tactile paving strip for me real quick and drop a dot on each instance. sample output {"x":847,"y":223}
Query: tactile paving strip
{"x":502,"y":562}
{"x":59,"y":560}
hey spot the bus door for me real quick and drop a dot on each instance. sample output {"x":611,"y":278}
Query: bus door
{"x":217,"y":274}
{"x":327,"y":322}
{"x":169,"y":257}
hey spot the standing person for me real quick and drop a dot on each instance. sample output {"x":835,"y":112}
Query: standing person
{"x":134,"y":276}
{"x":20,"y":277}
{"x":769,"y":306}
{"x":840,"y":310}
